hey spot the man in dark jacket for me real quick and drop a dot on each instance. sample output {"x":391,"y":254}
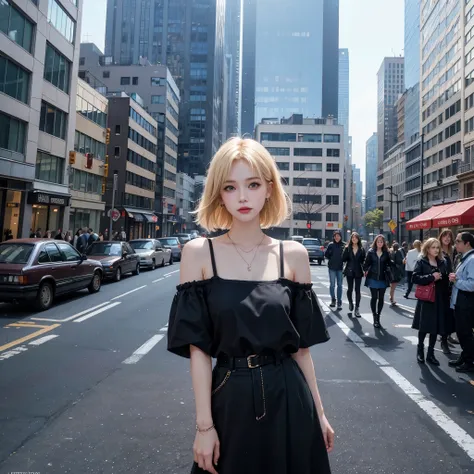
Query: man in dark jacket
{"x":334,"y":257}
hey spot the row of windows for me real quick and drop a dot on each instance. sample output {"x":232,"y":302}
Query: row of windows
{"x":125,"y":81}
{"x":171,"y":160}
{"x":170,"y":176}
{"x":86,"y":182}
{"x":171,"y":111}
{"x":53,"y":120}
{"x":158,"y":99}
{"x":330,"y":167}
{"x":49,"y":168}
{"x":315,"y":199}
{"x":170,"y":143}
{"x":316,"y":216}
{"x":172,"y":128}
{"x":315,"y":182}
{"x":16,"y":26}
{"x":91,"y":112}
{"x":85,"y":144}
{"x":57,"y":69}
{"x":277,"y":151}
{"x":140,"y":181}
{"x":141,"y":161}
{"x":142,"y":122}
{"x":452,"y":129}
{"x":142,"y":202}
{"x":14,"y":80}
{"x":302,"y":137}
{"x":168,"y":192}
{"x":61,"y":20}
{"x":141,"y":140}
{"x":12,"y":133}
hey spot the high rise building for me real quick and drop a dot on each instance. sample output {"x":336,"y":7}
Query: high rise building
{"x":390,"y":84}
{"x":371,"y":151}
{"x":343,"y":101}
{"x":188,"y":37}
{"x":39,"y":46}
{"x":287,"y":82}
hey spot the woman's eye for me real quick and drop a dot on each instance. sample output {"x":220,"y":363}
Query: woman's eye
{"x":254,"y":185}
{"x":229,"y":188}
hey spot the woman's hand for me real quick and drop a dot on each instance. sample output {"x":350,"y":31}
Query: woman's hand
{"x":365,"y":274}
{"x":207,"y":450}
{"x":328,"y":433}
{"x":452,"y":277}
{"x":437,"y":276}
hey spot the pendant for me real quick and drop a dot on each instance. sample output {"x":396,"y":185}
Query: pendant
{"x":249,"y":268}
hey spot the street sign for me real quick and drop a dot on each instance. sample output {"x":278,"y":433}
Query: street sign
{"x":392,"y":224}
{"x":115,"y":213}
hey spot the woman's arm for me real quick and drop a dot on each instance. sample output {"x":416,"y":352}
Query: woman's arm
{"x":345,"y":254}
{"x":419,"y":277}
{"x":367,"y":262}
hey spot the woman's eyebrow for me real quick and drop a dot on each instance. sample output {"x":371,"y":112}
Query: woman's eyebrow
{"x":246,"y":179}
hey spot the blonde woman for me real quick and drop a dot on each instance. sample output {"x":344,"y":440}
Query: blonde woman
{"x":246,"y":300}
{"x":431,"y":318}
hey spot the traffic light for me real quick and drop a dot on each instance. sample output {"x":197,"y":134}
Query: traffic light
{"x":107,"y":136}
{"x":89,"y":160}
{"x":103,"y":187}
{"x":72,"y":157}
{"x":308,"y":225}
{"x":106,"y":170}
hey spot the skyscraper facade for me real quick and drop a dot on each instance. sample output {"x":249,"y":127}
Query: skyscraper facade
{"x":343,"y":104}
{"x":390,"y":84}
{"x":189,"y":38}
{"x":371,"y":152}
{"x":287,"y":82}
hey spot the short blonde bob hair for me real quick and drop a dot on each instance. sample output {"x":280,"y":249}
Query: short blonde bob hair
{"x":428,"y":244}
{"x":211,"y":215}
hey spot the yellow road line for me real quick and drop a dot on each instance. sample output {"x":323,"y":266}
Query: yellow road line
{"x":16,"y":342}
{"x":22,"y":325}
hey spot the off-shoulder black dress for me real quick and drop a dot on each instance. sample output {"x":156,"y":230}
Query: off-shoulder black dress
{"x":265,"y":417}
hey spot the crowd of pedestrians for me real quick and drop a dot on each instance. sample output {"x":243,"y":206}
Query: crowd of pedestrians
{"x":441,"y":268}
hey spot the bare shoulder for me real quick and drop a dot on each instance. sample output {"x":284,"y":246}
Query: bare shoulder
{"x":193,"y":258}
{"x":297,"y":261}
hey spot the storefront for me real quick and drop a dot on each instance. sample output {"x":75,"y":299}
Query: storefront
{"x":12,"y":203}
{"x":47,"y":211}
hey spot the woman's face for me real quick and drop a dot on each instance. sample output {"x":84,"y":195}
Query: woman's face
{"x":244,"y":192}
{"x":446,"y":240}
{"x":380,"y":243}
{"x":434,"y":250}
{"x":355,"y":239}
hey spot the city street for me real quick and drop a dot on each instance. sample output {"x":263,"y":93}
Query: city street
{"x":88,"y":387}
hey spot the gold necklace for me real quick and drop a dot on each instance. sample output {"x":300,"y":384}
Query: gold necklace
{"x":240,"y":248}
{"x":249,"y":265}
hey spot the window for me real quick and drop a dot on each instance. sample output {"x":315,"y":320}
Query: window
{"x":278,"y":137}
{"x":53,"y":120}
{"x":53,"y":253}
{"x":15,"y":25}
{"x":307,"y":198}
{"x":49,"y":168}
{"x":12,"y":133}
{"x":133,"y":200}
{"x":332,"y":138}
{"x":308,"y":152}
{"x":14,"y":80}
{"x":307,"y":166}
{"x":105,"y":74}
{"x":332,"y":183}
{"x":70,"y":254}
{"x":57,"y":69}
{"x":158,"y":81}
{"x":283,"y":165}
{"x":141,"y":161}
{"x":135,"y":81}
{"x":143,"y":122}
{"x":117,"y":129}
{"x":309,"y":137}
{"x":86,"y":182}
{"x":332,"y":167}
{"x":124,"y":81}
{"x":90,"y":112}
{"x":43,"y":257}
{"x":334,"y":152}
{"x":82,"y":61}
{"x":61,"y":20}
{"x":332,"y":199}
{"x":314,"y":182}
{"x":117,"y":151}
{"x":275,"y":151}
{"x":157,"y":99}
{"x":85,"y":144}
{"x":140,"y":140}
{"x":332,"y":216}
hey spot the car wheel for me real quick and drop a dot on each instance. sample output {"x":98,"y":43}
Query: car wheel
{"x":96,"y":283}
{"x":118,"y":274}
{"x":153,"y":264}
{"x":137,"y":270}
{"x":171,"y":259}
{"x":45,"y":296}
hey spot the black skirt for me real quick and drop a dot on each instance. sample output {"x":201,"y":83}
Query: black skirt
{"x":267,"y":422}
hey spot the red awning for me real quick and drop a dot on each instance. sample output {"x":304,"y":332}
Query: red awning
{"x":425,"y":220}
{"x":460,"y":213}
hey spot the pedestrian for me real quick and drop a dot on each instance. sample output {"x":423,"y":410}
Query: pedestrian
{"x":48,"y":235}
{"x":68,"y":236}
{"x":333,"y":255}
{"x":59,"y":235}
{"x":446,"y":239}
{"x":410,"y":260}
{"x":82,"y":241}
{"x":354,"y":257}
{"x":431,"y":316}
{"x":246,"y":299}
{"x":32,"y":234}
{"x":462,"y":301}
{"x":101,"y":236}
{"x":76,"y":237}
{"x":38,"y":233}
{"x":92,"y":237}
{"x":397,"y":257}
{"x":377,"y":266}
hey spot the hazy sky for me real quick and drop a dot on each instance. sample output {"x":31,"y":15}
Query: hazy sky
{"x":371,"y":29}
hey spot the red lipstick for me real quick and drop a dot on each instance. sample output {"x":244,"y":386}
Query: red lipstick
{"x":244,"y":210}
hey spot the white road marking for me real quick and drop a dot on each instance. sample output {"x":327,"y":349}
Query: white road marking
{"x":73,"y":316}
{"x":95,"y":313}
{"x":144,"y":349}
{"x":402,"y":326}
{"x":412,"y":340}
{"x":164,"y":329}
{"x":452,"y":429}
{"x":127,"y":293}
{"x":170,"y":273}
{"x":42,"y":340}
{"x":159,"y":279}
{"x":12,"y":352}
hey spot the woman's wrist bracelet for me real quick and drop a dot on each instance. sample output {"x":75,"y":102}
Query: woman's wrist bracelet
{"x":204,"y":430}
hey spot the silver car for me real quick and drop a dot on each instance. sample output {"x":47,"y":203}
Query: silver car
{"x":174,"y":244}
{"x":151,"y":253}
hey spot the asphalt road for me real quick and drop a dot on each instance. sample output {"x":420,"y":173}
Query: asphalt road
{"x":88,"y":387}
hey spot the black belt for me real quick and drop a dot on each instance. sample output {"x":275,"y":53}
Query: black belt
{"x":250,"y":362}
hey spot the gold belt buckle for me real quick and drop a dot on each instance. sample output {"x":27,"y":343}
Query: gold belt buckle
{"x":250,"y":365}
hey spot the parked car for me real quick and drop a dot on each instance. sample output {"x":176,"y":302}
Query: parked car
{"x":174,"y":244}
{"x":194,"y":234}
{"x":183,"y":238}
{"x":38,"y":270}
{"x":315,"y":249}
{"x":151,"y":253}
{"x":117,"y":258}
{"x":297,"y":238}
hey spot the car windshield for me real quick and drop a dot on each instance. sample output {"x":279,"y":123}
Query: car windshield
{"x":105,"y":249}
{"x":15,"y":253}
{"x":169,"y":241}
{"x":311,"y":243}
{"x":142,"y":244}
{"x":184,"y":237}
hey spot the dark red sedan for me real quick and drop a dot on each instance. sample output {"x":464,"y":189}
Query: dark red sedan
{"x":38,"y":270}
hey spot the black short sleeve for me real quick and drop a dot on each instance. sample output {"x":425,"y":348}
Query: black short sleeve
{"x":307,"y":317}
{"x":189,"y":321}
